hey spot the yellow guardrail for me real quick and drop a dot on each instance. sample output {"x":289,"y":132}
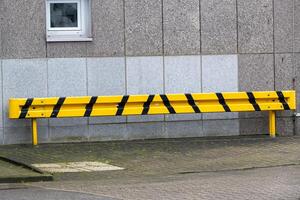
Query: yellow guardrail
{"x":93,"y":106}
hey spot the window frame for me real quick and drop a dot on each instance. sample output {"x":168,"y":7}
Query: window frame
{"x":80,"y":33}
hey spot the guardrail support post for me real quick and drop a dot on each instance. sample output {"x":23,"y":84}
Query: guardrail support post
{"x":272,"y":123}
{"x":34,"y":132}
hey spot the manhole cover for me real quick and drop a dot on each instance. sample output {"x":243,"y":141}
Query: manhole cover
{"x":75,"y":167}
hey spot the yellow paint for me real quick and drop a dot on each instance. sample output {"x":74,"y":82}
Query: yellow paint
{"x":108,"y":105}
{"x":272,"y":123}
{"x":34,"y":131}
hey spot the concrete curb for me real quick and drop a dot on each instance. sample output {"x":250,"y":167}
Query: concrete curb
{"x":17,"y":179}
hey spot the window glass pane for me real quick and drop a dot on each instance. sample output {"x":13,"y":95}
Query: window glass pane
{"x":63,"y":15}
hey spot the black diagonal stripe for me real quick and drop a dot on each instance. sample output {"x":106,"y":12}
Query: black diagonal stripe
{"x":147,"y":104}
{"x":282,"y":100}
{"x":25,"y":108}
{"x":89,"y":106}
{"x":167,"y":104}
{"x":57,"y":107}
{"x":253,"y":101}
{"x":192,"y":103}
{"x":222,"y":102}
{"x":121,"y":105}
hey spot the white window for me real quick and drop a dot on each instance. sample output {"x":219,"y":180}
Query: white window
{"x":68,"y":20}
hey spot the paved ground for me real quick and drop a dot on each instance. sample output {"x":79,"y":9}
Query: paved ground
{"x":279,"y":183}
{"x":195,"y":168}
{"x":32,"y":193}
{"x":163,"y":157}
{"x":16,"y":173}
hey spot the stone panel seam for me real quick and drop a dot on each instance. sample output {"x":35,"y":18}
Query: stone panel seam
{"x":124,"y":26}
{"x":274,"y":64}
{"x":163,"y":53}
{"x":87,"y":92}
{"x":293,"y":27}
{"x":294,"y":65}
{"x":47,"y":85}
{"x":202,"y":54}
{"x":237,"y":26}
{"x":200,"y":24}
{"x":47,"y":66}
{"x":3,"y":112}
{"x":269,"y":53}
{"x":1,"y":36}
{"x":201,"y":89}
{"x":293,"y":48}
{"x":125,"y":53}
{"x":162,"y":28}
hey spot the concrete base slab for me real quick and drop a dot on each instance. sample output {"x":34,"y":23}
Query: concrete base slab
{"x":76,"y":167}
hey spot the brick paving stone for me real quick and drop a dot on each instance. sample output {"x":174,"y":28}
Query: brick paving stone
{"x":164,"y":157}
{"x":275,"y":183}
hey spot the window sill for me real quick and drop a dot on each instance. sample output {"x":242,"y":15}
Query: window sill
{"x":69,"y":39}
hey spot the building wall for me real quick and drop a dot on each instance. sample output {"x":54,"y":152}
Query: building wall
{"x":151,"y":46}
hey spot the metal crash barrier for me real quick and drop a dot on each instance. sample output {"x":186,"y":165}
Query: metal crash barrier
{"x":93,"y":106}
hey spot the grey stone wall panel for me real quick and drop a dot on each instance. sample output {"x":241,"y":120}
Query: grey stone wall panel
{"x":1,"y":100}
{"x":182,"y":75}
{"x":255,"y":26}
{"x":296,"y":61}
{"x":1,"y":136}
{"x":181,"y":26}
{"x":1,"y":25}
{"x":256,"y":126}
{"x":285,"y":126}
{"x":149,"y":130}
{"x":256,"y":73}
{"x":143,"y":27}
{"x":22,"y":135}
{"x":283,"y":25}
{"x":74,"y":133}
{"x":67,"y":77}
{"x":219,"y":74}
{"x":107,"y":132}
{"x":284,"y":72}
{"x":106,"y":76}
{"x":108,"y":28}
{"x":24,"y":29}
{"x":297,"y":26}
{"x":66,"y":49}
{"x":218,"y":27}
{"x":23,"y":78}
{"x":284,"y":76}
{"x":184,"y":129}
{"x":225,"y":127}
{"x":145,"y":76}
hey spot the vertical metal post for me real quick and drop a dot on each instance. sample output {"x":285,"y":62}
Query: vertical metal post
{"x":272,"y":123}
{"x":34,"y":132}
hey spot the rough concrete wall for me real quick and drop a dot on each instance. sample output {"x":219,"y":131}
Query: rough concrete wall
{"x":155,"y":28}
{"x":24,"y":29}
{"x":156,"y":46}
